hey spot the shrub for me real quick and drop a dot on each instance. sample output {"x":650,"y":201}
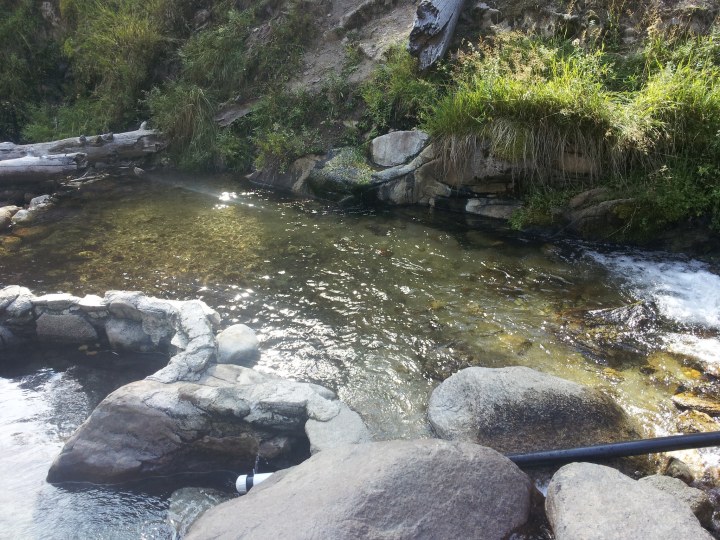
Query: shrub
{"x":395,"y":95}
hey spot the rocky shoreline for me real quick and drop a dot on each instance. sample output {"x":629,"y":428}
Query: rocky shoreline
{"x":204,"y":411}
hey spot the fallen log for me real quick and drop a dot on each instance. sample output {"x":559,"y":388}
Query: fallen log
{"x":108,"y":148}
{"x":40,"y":168}
{"x":433,"y":30}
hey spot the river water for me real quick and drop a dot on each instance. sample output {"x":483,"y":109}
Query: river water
{"x":376,"y":304}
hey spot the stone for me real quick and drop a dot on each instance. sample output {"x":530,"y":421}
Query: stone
{"x":92,"y":303}
{"x":65,"y":329}
{"x":20,"y":310}
{"x":38,"y":203}
{"x":221,"y":421}
{"x":343,"y":172}
{"x":518,"y":409}
{"x":6,"y":215}
{"x":393,"y":489}
{"x":56,"y":302}
{"x":187,"y":504}
{"x":589,"y":197}
{"x":345,"y":428}
{"x":22,"y":217}
{"x":697,"y":500}
{"x":703,"y":403}
{"x":493,"y":208}
{"x":691,"y":421}
{"x":194,"y":319}
{"x":399,"y":191}
{"x":123,"y":304}
{"x":586,"y":501}
{"x":603,"y":219}
{"x":237,"y":344}
{"x":127,"y":335}
{"x":7,"y":338}
{"x":676,"y":468}
{"x":9,"y":294}
{"x":397,"y":147}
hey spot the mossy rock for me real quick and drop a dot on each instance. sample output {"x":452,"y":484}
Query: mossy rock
{"x":345,"y":172}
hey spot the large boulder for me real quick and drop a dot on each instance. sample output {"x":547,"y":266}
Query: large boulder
{"x":397,"y":147}
{"x":518,"y":409}
{"x":395,"y":489}
{"x":224,"y":420}
{"x":594,"y":502}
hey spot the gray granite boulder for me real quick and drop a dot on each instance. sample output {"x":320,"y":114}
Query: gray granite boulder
{"x":223,"y":420}
{"x":424,"y":489}
{"x":397,"y":147}
{"x":518,"y":409}
{"x":594,"y":502}
{"x":236,"y":344}
{"x":696,"y":499}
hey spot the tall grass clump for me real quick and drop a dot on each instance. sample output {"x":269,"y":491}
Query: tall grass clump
{"x":648,"y":123}
{"x":534,"y":102}
{"x":396,"y":96}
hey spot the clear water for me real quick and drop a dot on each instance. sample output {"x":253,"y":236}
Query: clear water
{"x":376,"y":305}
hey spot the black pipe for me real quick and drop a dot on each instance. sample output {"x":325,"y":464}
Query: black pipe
{"x":615,"y":450}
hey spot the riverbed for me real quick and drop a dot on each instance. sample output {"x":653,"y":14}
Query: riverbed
{"x":378,"y":305}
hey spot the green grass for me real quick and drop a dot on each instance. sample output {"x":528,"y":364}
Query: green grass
{"x":649,"y":122}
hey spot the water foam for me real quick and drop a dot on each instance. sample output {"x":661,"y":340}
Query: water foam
{"x":685,"y":291}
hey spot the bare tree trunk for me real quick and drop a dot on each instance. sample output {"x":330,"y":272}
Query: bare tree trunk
{"x":108,"y":148}
{"x":433,"y":30}
{"x":34,"y":169}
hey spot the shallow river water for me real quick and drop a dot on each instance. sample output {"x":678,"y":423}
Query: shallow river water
{"x":377,"y":305}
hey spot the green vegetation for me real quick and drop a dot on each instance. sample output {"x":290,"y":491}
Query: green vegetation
{"x":28,"y":66}
{"x":643,"y":123}
{"x":396,"y":96}
{"x":648,"y":125}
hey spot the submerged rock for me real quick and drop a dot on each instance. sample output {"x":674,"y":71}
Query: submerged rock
{"x":587,"y":501}
{"x":518,"y":409}
{"x":697,"y":402}
{"x":396,"y":489}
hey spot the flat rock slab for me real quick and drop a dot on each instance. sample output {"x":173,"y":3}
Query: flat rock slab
{"x":518,"y":409}
{"x":594,"y":502}
{"x":425,"y":489}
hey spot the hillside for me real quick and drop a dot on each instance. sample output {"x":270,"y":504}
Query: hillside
{"x":618,"y":95}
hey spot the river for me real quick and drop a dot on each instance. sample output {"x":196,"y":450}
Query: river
{"x":378,"y":305}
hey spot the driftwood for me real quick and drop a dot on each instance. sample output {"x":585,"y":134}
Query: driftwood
{"x":40,"y":168}
{"x":433,"y":30}
{"x":108,"y":148}
{"x":50,"y":160}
